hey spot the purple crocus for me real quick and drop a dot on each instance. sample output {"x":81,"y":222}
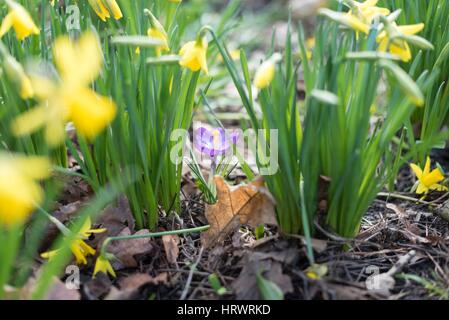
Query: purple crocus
{"x":214,"y":142}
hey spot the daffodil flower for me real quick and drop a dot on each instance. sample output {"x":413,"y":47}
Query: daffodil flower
{"x":70,"y":98}
{"x":20,"y":191}
{"x":265,"y":73}
{"x":105,"y":8}
{"x":193,"y":55}
{"x":18,"y":19}
{"x":157,"y":31}
{"x":103,"y":265}
{"x":366,"y":11}
{"x":398,"y":47}
{"x":80,"y":249}
{"x":428,"y":180}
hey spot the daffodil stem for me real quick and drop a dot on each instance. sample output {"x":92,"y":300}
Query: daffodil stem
{"x":402,"y":197}
{"x":55,"y":221}
{"x":151,"y":235}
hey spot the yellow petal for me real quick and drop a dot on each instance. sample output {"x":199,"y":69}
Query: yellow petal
{"x":113,"y":8}
{"x":432,"y":178}
{"x":411,"y":29}
{"x":417,"y":170}
{"x":265,"y":74}
{"x":34,"y":167}
{"x":91,"y":113}
{"x":6,"y":24}
{"x":422,"y":189}
{"x":426,"y":170}
{"x":29,"y":121}
{"x":79,"y":63}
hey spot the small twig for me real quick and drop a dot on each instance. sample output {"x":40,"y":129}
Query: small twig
{"x":402,"y":197}
{"x":189,"y":279}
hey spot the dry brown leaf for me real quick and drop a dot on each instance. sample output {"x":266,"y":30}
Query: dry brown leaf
{"x":171,"y":247}
{"x":126,"y":250}
{"x":249,"y":204}
{"x":138,"y":280}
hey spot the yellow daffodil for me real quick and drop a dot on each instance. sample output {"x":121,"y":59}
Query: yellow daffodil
{"x":265,"y":73}
{"x":310,"y":44}
{"x":80,"y":249}
{"x":348,"y":20}
{"x":157,"y":31}
{"x":17,"y":74}
{"x":398,"y":47}
{"x":366,"y":11}
{"x":103,"y":265}
{"x":316,"y":271}
{"x":20,"y":191}
{"x":18,"y":19}
{"x":428,"y":180}
{"x":69,"y":99}
{"x":105,"y":8}
{"x":193,"y":55}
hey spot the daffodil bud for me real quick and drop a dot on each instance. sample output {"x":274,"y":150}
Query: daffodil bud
{"x":157,"y":31}
{"x":265,"y":73}
{"x":17,"y":75}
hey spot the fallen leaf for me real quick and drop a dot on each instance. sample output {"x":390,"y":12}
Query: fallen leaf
{"x":249,"y":204}
{"x":254,"y":263}
{"x":115,"y":219}
{"x":138,"y":280}
{"x":126,"y":250}
{"x":171,"y":247}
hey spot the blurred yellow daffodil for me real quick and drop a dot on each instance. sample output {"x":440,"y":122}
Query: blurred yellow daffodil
{"x":397,"y":46}
{"x":193,"y":55}
{"x":105,"y":8}
{"x":18,"y":19}
{"x":265,"y":73}
{"x":69,"y":99}
{"x":80,"y":249}
{"x":17,"y":75}
{"x":20,"y":191}
{"x":103,"y":265}
{"x":428,"y":180}
{"x":366,"y":11}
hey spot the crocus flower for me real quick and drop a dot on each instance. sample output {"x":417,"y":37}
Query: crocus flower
{"x":428,"y":180}
{"x":265,"y":73}
{"x":103,"y":265}
{"x":193,"y":55}
{"x":18,"y":19}
{"x":20,"y":191}
{"x":70,"y":98}
{"x":213,"y":142}
{"x":397,"y":46}
{"x":80,"y":249}
{"x":105,"y":8}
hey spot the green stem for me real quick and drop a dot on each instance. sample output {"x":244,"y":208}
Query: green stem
{"x":150,"y":235}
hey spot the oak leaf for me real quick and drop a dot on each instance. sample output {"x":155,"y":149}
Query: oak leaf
{"x":250,"y":204}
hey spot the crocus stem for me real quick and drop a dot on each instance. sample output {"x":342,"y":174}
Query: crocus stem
{"x":151,"y":235}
